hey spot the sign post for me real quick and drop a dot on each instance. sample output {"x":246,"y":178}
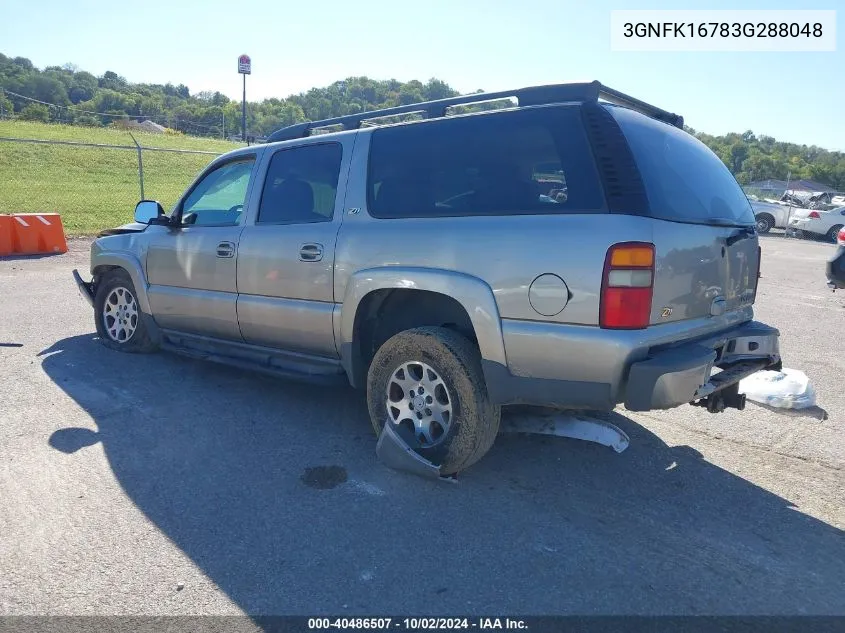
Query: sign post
{"x":244,"y":68}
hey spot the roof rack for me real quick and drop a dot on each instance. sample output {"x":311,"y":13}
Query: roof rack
{"x":535,"y":95}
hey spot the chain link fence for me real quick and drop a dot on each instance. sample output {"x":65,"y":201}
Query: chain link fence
{"x":92,"y":185}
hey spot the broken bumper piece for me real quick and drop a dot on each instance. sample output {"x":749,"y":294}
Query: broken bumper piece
{"x":589,"y":428}
{"x":394,"y":452}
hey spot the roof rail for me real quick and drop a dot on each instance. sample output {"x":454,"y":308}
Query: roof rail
{"x":535,"y":95}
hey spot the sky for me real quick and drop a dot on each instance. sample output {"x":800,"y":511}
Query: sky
{"x":470,"y":44}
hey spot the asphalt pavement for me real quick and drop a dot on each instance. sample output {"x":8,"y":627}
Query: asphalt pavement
{"x":158,"y":485}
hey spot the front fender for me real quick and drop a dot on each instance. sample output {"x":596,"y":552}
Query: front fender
{"x":129,"y":261}
{"x":472,"y":293}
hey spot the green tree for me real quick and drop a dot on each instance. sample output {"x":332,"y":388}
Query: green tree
{"x":36,"y":112}
{"x":45,"y":88}
{"x":83,"y":86}
{"x":7,"y":109}
{"x":437,"y":89}
{"x":87,"y":120}
{"x":738,"y":153}
{"x":112,"y":81}
{"x":749,"y":156}
{"x":23,"y":63}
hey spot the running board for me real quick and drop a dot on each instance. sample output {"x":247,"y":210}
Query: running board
{"x":273,"y":362}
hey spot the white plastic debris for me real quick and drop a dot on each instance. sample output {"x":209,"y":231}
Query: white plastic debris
{"x":787,"y":389}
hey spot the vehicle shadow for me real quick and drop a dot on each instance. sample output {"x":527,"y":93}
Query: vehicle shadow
{"x":274,"y":491}
{"x":816,"y":412}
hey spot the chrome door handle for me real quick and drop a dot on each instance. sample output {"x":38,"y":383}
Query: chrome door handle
{"x":225,"y":249}
{"x":311,"y":252}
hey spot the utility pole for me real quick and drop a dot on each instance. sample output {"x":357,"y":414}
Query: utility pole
{"x":788,"y":202}
{"x":243,"y":112}
{"x":244,"y":68}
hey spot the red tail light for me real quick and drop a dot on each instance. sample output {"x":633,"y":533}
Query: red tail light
{"x":814,"y":214}
{"x":627,"y":286}
{"x":841,"y":238}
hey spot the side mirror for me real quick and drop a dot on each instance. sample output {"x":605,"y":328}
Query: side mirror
{"x":148,"y":211}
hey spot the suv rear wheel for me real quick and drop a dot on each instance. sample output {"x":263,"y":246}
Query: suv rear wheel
{"x":120,"y":322}
{"x":428,"y":382}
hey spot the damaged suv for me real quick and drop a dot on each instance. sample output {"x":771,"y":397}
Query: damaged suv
{"x":576,"y":248}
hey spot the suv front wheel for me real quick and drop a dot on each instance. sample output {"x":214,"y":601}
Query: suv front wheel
{"x":428,"y":382}
{"x":120,"y":322}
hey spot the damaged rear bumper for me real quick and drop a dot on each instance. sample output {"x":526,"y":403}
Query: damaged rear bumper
{"x":687,"y":373}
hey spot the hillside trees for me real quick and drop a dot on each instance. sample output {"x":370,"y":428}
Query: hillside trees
{"x":750,"y":157}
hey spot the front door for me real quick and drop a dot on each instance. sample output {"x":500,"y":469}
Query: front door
{"x":192,"y":266}
{"x":286,"y":257}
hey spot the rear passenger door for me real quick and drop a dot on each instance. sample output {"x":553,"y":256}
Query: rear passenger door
{"x":286,"y":253}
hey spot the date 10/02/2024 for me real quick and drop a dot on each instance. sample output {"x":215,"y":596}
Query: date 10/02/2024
{"x":417,"y":624}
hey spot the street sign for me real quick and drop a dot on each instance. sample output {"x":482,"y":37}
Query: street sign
{"x":244,"y":65}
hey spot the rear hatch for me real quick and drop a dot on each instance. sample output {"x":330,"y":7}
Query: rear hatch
{"x":707,"y":256}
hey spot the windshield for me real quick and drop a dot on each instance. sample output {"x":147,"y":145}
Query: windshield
{"x":684,"y":180}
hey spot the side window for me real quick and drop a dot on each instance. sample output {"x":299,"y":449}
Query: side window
{"x":524,"y":162}
{"x":684,"y":180}
{"x":218,"y":199}
{"x":301,"y":185}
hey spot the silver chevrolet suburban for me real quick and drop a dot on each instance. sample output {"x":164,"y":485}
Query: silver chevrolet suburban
{"x":575,"y":248}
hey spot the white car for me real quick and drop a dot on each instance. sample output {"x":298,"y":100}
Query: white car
{"x":769,"y":215}
{"x":818,"y":222}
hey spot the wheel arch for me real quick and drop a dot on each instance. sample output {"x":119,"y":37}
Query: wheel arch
{"x":460,"y":301}
{"x":104,"y":261}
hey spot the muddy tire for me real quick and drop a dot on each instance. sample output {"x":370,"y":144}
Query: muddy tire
{"x":429,"y":383}
{"x":120,"y":323}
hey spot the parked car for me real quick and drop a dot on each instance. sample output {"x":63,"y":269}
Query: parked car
{"x":419,"y":262}
{"x":818,"y":222}
{"x":769,"y":215}
{"x":835,"y":268}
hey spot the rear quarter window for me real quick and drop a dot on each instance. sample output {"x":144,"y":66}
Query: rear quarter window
{"x":532,"y":161}
{"x":684,"y":180}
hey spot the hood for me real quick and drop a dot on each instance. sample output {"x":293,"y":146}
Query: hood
{"x":132,"y":227}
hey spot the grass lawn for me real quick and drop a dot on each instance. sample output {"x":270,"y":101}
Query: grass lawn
{"x":93,"y":188}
